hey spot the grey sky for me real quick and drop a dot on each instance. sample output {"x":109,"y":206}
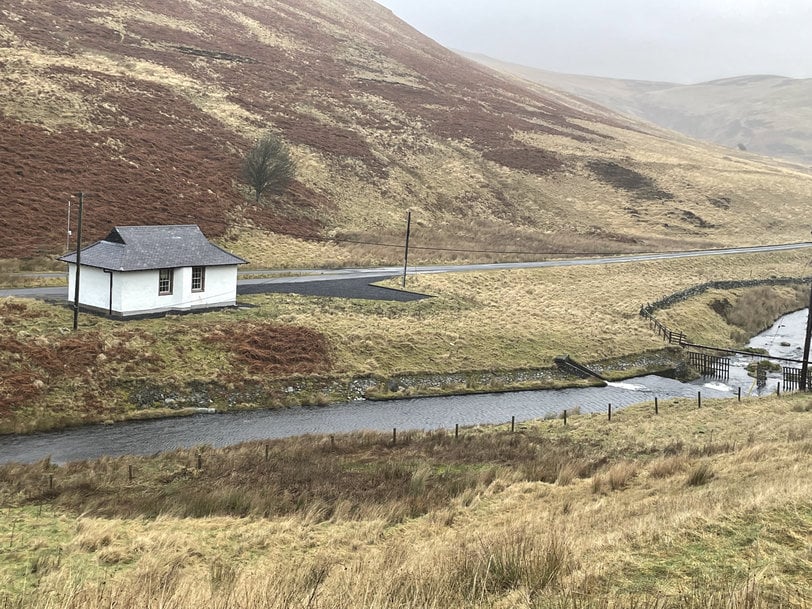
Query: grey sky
{"x":671,"y":40}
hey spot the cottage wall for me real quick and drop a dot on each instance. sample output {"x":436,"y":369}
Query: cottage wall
{"x":139,"y":290}
{"x":94,"y":287}
{"x":220,"y":287}
{"x":136,"y":292}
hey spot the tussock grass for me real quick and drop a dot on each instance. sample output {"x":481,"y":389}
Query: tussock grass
{"x":665,"y":467}
{"x":490,"y":535}
{"x":701,"y":474}
{"x":615,"y":478}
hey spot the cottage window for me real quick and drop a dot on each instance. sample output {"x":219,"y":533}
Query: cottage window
{"x":165,"y":280}
{"x":198,"y":278}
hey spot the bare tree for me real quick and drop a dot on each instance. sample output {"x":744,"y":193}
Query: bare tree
{"x":267,"y":168}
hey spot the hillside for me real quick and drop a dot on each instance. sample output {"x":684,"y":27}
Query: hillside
{"x":148,"y":108}
{"x":704,"y":508}
{"x":764,"y":114}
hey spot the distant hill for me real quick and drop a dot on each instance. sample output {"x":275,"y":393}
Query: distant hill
{"x":148,"y":108}
{"x":767,"y":115}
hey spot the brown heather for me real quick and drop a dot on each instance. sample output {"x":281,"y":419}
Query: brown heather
{"x":148,"y":108}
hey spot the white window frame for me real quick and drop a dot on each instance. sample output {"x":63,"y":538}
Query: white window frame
{"x":202,"y":279}
{"x":166,"y":278}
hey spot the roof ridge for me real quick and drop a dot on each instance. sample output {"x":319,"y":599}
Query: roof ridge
{"x":159,"y":226}
{"x":152,"y":247}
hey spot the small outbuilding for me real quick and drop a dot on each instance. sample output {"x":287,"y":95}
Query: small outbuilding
{"x":142,"y":270}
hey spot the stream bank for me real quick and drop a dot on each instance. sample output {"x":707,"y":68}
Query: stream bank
{"x":320,"y":391}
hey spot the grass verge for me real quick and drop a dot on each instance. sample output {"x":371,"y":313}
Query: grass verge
{"x":591,"y":514}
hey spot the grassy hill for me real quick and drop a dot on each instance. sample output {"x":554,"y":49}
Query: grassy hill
{"x":148,"y":108}
{"x":706,"y":508}
{"x":765,"y":114}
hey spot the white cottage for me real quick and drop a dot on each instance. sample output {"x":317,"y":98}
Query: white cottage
{"x":138,"y":270}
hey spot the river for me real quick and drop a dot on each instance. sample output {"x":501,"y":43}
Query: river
{"x":784,"y":339}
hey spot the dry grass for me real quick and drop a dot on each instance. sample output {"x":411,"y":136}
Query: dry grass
{"x":476,"y":321}
{"x":489,"y":533}
{"x":380,"y":120}
{"x":729,"y":318}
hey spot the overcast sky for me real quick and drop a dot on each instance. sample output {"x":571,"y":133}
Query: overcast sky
{"x":671,"y":40}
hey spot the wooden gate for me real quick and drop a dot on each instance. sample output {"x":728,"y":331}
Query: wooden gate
{"x":792,"y":378}
{"x":710,"y":365}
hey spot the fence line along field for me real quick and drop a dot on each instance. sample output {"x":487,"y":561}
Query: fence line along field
{"x":705,"y":508}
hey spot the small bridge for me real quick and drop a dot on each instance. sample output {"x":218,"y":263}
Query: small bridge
{"x":718,"y":366}
{"x":792,"y":378}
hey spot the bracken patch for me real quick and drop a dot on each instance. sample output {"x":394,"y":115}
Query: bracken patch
{"x":277,"y":349}
{"x":28,"y":365}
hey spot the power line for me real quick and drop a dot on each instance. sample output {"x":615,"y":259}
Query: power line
{"x":321,"y":239}
{"x":428,"y":248}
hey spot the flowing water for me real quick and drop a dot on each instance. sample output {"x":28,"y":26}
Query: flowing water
{"x":147,"y":437}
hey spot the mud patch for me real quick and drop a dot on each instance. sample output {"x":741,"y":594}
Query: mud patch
{"x":221,"y":55}
{"x":720,"y":202}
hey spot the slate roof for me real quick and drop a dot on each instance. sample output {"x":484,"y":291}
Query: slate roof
{"x":140,"y":248}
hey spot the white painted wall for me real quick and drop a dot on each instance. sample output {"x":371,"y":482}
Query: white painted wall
{"x":94,"y":287}
{"x":136,"y":292}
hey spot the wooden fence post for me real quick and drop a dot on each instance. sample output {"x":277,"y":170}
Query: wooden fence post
{"x":610,"y":412}
{"x":699,"y":399}
{"x":130,"y":472}
{"x":656,"y":406}
{"x":394,"y":436}
{"x":456,"y":430}
{"x":565,"y":417}
{"x":512,"y":424}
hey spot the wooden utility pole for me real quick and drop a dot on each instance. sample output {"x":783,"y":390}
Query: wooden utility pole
{"x":81,"y":196}
{"x":67,"y":239}
{"x":802,"y":384}
{"x":406,"y":255}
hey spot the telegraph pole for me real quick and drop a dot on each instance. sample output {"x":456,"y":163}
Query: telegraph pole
{"x":406,"y":254}
{"x":802,"y":384}
{"x":67,"y":239}
{"x":81,"y":196}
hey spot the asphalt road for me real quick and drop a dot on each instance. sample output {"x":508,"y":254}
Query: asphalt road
{"x":355,"y":283}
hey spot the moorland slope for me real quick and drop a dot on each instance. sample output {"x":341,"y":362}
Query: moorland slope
{"x":765,"y":114}
{"x":149,"y":107}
